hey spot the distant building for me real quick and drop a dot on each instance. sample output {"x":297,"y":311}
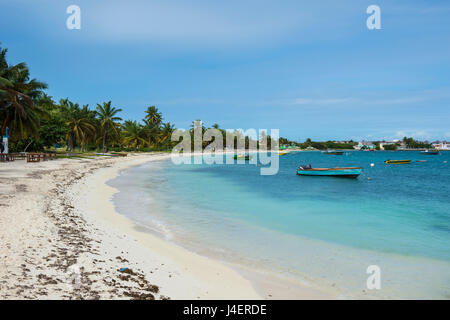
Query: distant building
{"x":444,"y":145}
{"x":365,"y":145}
{"x":386,"y":143}
{"x":402,"y":145}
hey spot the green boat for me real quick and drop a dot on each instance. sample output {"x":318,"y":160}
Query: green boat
{"x":340,"y":153}
{"x":397,"y":161}
{"x":348,"y":172}
{"x":430,"y":152}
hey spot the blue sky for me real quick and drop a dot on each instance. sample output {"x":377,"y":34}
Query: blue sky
{"x":310,"y":68}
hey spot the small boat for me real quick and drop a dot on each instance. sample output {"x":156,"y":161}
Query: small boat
{"x":397,"y":161}
{"x":334,"y":152}
{"x":430,"y":152}
{"x":350,"y":172}
{"x":282,"y":153}
{"x":242,"y":157}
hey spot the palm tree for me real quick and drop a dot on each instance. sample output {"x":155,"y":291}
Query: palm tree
{"x":153,"y":116}
{"x":133,"y":134}
{"x":166,"y":134}
{"x":90,"y":117}
{"x":151,"y":132}
{"x":108,"y":121}
{"x":79,"y":126}
{"x":152,"y":120}
{"x":17,"y":96}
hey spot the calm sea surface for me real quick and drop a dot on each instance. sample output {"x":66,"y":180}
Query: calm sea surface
{"x":323,"y":230}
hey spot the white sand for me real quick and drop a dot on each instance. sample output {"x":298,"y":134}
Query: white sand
{"x":61,"y":238}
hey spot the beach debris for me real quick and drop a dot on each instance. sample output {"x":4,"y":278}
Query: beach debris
{"x":126,"y":270}
{"x":139,"y":296}
{"x":72,"y":240}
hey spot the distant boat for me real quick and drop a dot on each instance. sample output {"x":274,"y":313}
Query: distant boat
{"x":350,"y":172}
{"x":282,"y":153}
{"x":242,"y":157}
{"x":334,"y":152}
{"x":430,"y":153}
{"x":397,"y":161}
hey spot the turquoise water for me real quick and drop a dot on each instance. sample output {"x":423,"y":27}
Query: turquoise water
{"x":395,"y":216}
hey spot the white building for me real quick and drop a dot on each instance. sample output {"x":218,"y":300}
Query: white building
{"x":386,"y":143}
{"x":364,"y":145}
{"x":444,"y":145}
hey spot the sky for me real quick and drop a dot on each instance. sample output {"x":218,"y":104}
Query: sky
{"x":311,"y":69}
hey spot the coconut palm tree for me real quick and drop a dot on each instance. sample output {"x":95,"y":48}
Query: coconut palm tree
{"x":108,"y":120}
{"x":133,"y":134}
{"x":90,"y":135}
{"x":153,"y":116}
{"x":152,"y":120}
{"x":151,"y":132}
{"x":79,"y":126}
{"x":18,"y":93}
{"x":166,"y":134}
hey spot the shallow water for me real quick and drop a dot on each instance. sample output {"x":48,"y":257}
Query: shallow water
{"x":323,"y":230}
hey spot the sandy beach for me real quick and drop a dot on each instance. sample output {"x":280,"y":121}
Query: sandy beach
{"x":62,"y":239}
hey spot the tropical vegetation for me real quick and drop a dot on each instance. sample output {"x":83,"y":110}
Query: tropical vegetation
{"x":34,"y":121}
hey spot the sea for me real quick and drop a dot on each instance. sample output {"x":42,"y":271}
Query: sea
{"x":326,"y":232}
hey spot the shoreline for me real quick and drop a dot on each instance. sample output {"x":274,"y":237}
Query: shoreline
{"x":272,"y":284}
{"x":201,"y":277}
{"x":62,"y":239}
{"x":249,"y":283}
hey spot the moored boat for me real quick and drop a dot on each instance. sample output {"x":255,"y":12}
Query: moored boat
{"x":242,"y":157}
{"x":334,"y":152}
{"x":346,"y":172}
{"x":397,"y":161}
{"x":430,"y":152}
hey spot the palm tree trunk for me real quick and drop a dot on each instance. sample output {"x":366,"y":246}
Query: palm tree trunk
{"x":71,"y":142}
{"x":104,"y":142}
